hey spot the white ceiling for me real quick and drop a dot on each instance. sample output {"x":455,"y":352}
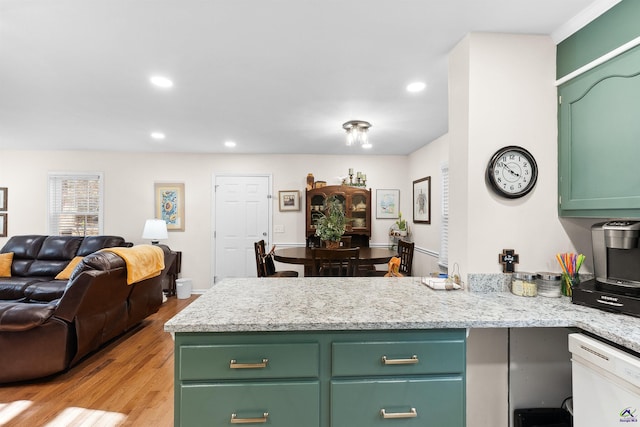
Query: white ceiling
{"x":276,"y":76}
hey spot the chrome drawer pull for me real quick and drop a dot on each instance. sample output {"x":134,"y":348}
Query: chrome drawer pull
{"x":411,"y":414}
{"x":414,"y":360}
{"x":235,"y":365}
{"x":261,"y":420}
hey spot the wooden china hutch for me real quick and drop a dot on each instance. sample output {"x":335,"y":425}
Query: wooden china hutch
{"x":357,"y":204}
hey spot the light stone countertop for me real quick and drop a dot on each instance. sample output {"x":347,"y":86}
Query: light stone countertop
{"x":378,"y":303}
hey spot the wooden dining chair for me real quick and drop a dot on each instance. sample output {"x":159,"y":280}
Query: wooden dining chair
{"x":335,"y":262}
{"x":265,"y":265}
{"x":405,"y":252}
{"x":345,"y":242}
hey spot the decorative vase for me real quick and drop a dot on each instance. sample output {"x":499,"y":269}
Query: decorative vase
{"x":330,"y":244}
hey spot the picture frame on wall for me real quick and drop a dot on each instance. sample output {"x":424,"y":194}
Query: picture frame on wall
{"x":169,"y":204}
{"x":387,"y":204}
{"x":4,"y":198}
{"x":422,"y":200}
{"x":289,"y":200}
{"x":3,"y":224}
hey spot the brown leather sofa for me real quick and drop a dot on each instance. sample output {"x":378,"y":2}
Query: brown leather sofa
{"x":49,"y":325}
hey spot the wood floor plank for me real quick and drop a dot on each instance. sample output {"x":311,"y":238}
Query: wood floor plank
{"x":129,"y":382}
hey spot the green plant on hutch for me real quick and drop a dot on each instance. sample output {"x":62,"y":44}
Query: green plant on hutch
{"x":332,"y":222}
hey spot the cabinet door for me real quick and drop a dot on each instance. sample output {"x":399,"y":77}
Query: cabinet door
{"x":424,"y":402}
{"x":599,"y":141}
{"x":281,"y":404}
{"x":360,"y":211}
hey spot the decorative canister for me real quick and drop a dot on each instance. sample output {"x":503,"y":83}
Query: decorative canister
{"x":549,"y":284}
{"x":524,"y":284}
{"x":310,"y":180}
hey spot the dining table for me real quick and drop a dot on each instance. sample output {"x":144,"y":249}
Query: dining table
{"x":303,"y":256}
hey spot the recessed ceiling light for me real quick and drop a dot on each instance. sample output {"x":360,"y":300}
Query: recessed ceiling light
{"x":367,"y":145}
{"x":229,"y":144}
{"x":416,"y":87}
{"x":158,"y":135}
{"x":161,"y":81}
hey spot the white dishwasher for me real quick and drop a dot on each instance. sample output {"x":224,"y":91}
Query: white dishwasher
{"x":606,"y":384}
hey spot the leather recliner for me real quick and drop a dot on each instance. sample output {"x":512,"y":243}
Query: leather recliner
{"x":49,"y":325}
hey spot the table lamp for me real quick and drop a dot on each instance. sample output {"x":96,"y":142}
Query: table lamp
{"x":155,"y":230}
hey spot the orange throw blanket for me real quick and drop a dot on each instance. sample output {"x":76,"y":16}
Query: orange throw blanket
{"x":394,"y":267}
{"x":143,"y":261}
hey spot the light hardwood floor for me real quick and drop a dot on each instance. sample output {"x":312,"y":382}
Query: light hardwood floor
{"x":127,"y":383}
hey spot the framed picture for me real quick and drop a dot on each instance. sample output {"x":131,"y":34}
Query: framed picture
{"x":387,"y":204}
{"x":170,"y":205}
{"x":422,"y":200}
{"x":3,"y":198}
{"x":289,"y":200}
{"x":3,"y":224}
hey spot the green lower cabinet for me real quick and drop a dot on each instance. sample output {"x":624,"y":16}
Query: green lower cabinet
{"x":321,"y":379}
{"x":281,"y":404}
{"x":424,"y":402}
{"x":246,"y":361}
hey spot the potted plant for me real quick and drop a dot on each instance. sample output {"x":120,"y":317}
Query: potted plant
{"x":402,"y":225}
{"x":332,"y":222}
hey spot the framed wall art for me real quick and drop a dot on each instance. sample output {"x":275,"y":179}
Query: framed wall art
{"x":387,"y":204}
{"x":3,"y":224}
{"x":422,"y":201}
{"x":169,"y":203}
{"x":4,"y":198}
{"x":289,"y":200}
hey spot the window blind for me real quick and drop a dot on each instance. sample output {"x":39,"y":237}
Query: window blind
{"x":443,"y":259}
{"x":75,"y":204}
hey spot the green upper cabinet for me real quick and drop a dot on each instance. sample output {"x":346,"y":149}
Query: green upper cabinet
{"x":599,"y":141}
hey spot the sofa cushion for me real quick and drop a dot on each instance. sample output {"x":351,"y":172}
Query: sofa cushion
{"x":5,"y":264}
{"x":59,"y":248}
{"x":45,"y":291}
{"x":92,"y":244}
{"x":13,"y":288}
{"x":26,"y":247}
{"x":22,"y":317}
{"x":101,"y":261}
{"x":66,"y":273}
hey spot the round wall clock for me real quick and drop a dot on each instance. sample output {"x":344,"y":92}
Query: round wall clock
{"x":512,"y":172}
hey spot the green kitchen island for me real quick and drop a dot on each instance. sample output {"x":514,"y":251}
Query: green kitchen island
{"x":350,"y":352}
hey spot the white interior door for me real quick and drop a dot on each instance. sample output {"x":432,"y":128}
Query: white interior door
{"x":241,"y":218}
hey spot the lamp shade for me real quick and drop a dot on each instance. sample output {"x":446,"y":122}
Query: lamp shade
{"x":155,"y":230}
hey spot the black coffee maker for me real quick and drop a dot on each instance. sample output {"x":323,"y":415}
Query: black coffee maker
{"x":616,"y":264}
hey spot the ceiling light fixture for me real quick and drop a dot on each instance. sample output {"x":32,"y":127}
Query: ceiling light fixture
{"x":158,"y":135}
{"x":416,"y":87}
{"x":161,"y":81}
{"x":229,"y":144}
{"x":357,"y":132}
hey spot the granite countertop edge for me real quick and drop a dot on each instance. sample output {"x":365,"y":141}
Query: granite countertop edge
{"x":363,"y":304}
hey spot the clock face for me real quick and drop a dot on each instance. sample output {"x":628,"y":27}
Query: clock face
{"x":512,"y":172}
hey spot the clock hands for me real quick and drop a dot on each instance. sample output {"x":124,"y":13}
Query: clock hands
{"x":511,"y":171}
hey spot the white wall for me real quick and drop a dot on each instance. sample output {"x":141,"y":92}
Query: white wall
{"x":424,"y":162}
{"x":501,"y":93}
{"x":511,"y":101}
{"x":129,"y":192}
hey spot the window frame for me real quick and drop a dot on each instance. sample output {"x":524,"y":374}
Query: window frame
{"x":73,"y":176}
{"x":443,"y":256}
